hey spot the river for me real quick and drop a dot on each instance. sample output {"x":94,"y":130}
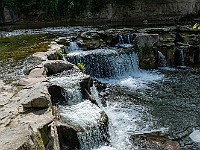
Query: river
{"x":166,"y":99}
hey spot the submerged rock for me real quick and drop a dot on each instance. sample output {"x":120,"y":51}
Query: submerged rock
{"x":154,"y":141}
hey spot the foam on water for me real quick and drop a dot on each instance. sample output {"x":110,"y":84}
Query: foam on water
{"x":90,"y":52}
{"x":83,"y":115}
{"x":72,"y":89}
{"x":137,"y":80}
{"x":106,"y":148}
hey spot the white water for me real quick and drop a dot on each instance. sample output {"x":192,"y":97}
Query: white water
{"x":72,"y":90}
{"x":73,"y":46}
{"x":125,"y":119}
{"x":161,"y":60}
{"x":83,"y":115}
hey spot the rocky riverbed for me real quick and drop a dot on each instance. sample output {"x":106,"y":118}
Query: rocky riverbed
{"x":51,"y":104}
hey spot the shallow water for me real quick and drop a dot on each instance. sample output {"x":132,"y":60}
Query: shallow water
{"x":172,"y":103}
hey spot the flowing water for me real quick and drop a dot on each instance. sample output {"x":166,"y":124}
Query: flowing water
{"x":135,"y":100}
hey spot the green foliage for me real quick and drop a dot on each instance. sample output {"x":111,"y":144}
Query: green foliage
{"x":146,"y":50}
{"x":121,"y":2}
{"x":10,"y":3}
{"x":81,"y":67}
{"x":68,"y":8}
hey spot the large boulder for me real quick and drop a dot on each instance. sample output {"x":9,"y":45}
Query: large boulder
{"x":35,"y":96}
{"x":92,"y":39}
{"x":17,"y":138}
{"x":146,"y":44}
{"x":56,"y":66}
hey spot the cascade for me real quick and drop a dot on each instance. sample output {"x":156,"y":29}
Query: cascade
{"x":179,"y":57}
{"x":161,"y":60}
{"x":73,"y":46}
{"x":86,"y":119}
{"x":125,"y":40}
{"x":71,"y":92}
{"x":106,"y":63}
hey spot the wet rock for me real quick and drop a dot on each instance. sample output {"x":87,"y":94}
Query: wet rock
{"x":57,"y":95}
{"x":147,"y":53}
{"x":91,"y":40}
{"x":35,"y":96}
{"x":61,"y":40}
{"x":153,"y":141}
{"x":69,"y":140}
{"x":56,"y":66}
{"x":85,"y":85}
{"x":148,"y":40}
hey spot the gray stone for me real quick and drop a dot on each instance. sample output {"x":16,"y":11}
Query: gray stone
{"x":148,"y":40}
{"x":154,"y":141}
{"x":56,"y":66}
{"x":17,"y":138}
{"x":36,"y":96}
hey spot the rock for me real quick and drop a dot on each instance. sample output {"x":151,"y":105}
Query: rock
{"x":61,"y":40}
{"x":56,"y":66}
{"x":29,"y":81}
{"x":36,"y":96}
{"x":155,"y":30}
{"x":17,"y":138}
{"x":85,"y":85}
{"x":37,"y":73}
{"x":91,"y":40}
{"x":148,"y":40}
{"x":82,"y":123}
{"x":147,"y":53}
{"x":28,"y":131}
{"x":154,"y":141}
{"x":69,"y":139}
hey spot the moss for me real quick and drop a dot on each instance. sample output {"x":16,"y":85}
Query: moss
{"x":147,"y":57}
{"x":145,"y":51}
{"x":38,"y":141}
{"x":19,"y":47}
{"x":81,"y":67}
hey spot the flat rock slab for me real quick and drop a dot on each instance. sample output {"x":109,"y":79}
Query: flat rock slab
{"x":16,"y":138}
{"x":36,"y":96}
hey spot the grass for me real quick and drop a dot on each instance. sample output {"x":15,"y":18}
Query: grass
{"x":19,"y":47}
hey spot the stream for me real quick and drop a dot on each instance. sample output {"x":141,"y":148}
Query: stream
{"x":137,"y":101}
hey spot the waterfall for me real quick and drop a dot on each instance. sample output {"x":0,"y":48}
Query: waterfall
{"x":179,"y":57}
{"x":93,"y":138}
{"x":71,"y":89}
{"x":125,"y":119}
{"x":73,"y":46}
{"x":87,"y":120}
{"x":107,"y":63}
{"x":125,"y":40}
{"x":161,"y":60}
